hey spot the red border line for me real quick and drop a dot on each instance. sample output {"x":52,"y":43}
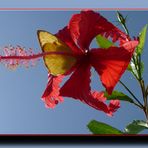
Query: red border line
{"x":58,"y":9}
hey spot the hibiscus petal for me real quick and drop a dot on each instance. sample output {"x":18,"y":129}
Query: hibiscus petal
{"x":78,"y":84}
{"x":78,"y":87}
{"x":113,"y":106}
{"x":64,"y":35}
{"x":51,"y":94}
{"x":112,"y":63}
{"x":88,"y":24}
{"x":97,"y":100}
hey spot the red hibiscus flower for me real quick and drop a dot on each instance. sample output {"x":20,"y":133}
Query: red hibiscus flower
{"x":109,"y":63}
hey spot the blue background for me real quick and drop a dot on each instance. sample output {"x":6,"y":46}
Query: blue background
{"x":74,"y":3}
{"x":21,"y":109}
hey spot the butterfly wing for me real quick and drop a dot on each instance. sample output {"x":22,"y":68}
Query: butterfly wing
{"x":57,"y":64}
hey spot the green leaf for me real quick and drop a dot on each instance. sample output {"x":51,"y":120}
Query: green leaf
{"x":142,"y":67}
{"x":142,"y":38}
{"x":118,"y":95}
{"x":103,"y":42}
{"x":102,"y":128}
{"x":136,"y":127}
{"x":129,"y":68}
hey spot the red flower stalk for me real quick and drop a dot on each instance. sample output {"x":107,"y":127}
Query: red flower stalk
{"x":15,"y":56}
{"x":109,"y":63}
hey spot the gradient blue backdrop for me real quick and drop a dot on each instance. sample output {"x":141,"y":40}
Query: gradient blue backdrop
{"x":21,"y":109}
{"x":73,"y":4}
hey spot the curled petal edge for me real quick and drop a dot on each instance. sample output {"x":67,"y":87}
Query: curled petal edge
{"x":51,"y":94}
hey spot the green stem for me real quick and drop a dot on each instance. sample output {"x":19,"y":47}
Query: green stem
{"x":134,"y":74}
{"x":122,"y":21}
{"x":142,"y":85}
{"x":137,"y":63}
{"x":139,"y":103}
{"x":146,"y":91}
{"x":125,"y":28}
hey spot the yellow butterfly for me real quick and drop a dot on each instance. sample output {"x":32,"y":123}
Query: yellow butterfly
{"x":57,"y":64}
